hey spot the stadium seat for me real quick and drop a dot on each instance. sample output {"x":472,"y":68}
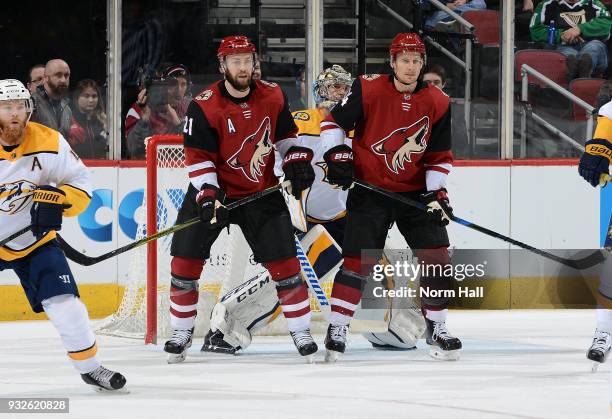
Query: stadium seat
{"x":549,"y":63}
{"x":585,"y":89}
{"x":486,"y":24}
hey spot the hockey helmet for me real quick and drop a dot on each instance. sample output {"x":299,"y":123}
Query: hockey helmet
{"x":236,"y":44}
{"x":11,"y":89}
{"x":408,"y":42}
{"x":329,"y":77}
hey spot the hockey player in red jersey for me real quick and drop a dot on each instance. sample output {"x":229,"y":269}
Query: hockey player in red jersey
{"x":402,"y":143}
{"x":231,"y":130}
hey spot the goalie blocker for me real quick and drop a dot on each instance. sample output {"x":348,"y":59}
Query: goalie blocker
{"x":254,"y":304}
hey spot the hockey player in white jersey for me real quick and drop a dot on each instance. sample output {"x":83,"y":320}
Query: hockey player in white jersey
{"x":594,"y":162}
{"x":253,"y":304}
{"x":41,"y":181}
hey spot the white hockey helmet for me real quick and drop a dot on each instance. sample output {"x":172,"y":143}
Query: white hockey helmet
{"x":11,"y":89}
{"x":329,"y":77}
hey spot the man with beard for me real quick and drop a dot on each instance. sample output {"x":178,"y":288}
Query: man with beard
{"x":402,"y":143}
{"x":51,"y":103}
{"x":41,"y":181}
{"x":231,"y":131}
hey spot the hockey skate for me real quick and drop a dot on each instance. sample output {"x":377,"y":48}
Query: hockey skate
{"x":105,"y":380}
{"x":305,"y":344}
{"x":213,"y":342}
{"x":335,"y":342}
{"x":441,"y":344}
{"x":600,"y":348}
{"x":177,"y":345}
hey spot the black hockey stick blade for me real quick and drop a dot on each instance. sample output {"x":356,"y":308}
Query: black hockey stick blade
{"x":78,"y":257}
{"x":15,"y":235}
{"x":593,"y":259}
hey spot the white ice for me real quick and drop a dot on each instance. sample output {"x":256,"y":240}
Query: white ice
{"x":519,"y":364}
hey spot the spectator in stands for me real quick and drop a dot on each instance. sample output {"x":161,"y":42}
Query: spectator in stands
{"x":435,"y":75}
{"x":88,"y":134}
{"x":605,"y":93}
{"x":36,"y":77}
{"x":50,"y":98}
{"x":160,"y":109}
{"x":300,"y":85}
{"x":257,"y":70}
{"x":442,"y":21}
{"x":582,"y":28}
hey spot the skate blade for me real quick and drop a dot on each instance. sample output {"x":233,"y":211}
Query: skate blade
{"x":176,"y":358}
{"x":310,"y":359}
{"x":331,"y":356}
{"x":594,"y":366}
{"x":437,"y":353}
{"x":102,"y":390}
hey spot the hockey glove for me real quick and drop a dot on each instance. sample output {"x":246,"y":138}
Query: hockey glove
{"x":339,"y":161}
{"x":595,"y":160}
{"x":298,"y":169}
{"x":48,"y":204}
{"x":210,"y":205}
{"x":439,"y":210}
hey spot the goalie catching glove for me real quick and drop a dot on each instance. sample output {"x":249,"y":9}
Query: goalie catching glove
{"x":298,"y":170}
{"x":595,"y":160}
{"x":48,"y":204}
{"x":210,"y":204}
{"x":439,"y":210}
{"x":339,"y":161}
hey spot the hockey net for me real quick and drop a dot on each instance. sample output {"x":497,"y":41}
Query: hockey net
{"x":144,"y":309}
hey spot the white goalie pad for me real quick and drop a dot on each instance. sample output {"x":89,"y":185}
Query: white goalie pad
{"x":245,"y":308}
{"x":297,"y":209}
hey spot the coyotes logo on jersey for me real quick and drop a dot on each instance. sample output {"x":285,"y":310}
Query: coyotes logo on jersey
{"x":15,"y":196}
{"x":397,"y":147}
{"x":251,"y":156}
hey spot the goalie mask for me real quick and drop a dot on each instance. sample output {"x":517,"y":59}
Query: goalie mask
{"x":331,"y":86}
{"x":11,"y":89}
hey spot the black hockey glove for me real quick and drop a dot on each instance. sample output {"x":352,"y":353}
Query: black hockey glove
{"x":210,"y":205}
{"x":48,"y":204}
{"x":595,"y":160}
{"x":298,"y":169}
{"x":339,"y":161}
{"x":439,"y":209}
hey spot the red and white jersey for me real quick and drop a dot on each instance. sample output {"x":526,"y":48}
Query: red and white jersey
{"x":402,"y":141}
{"x":230,"y":142}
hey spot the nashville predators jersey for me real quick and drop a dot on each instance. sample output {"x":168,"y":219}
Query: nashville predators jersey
{"x":43,"y":158}
{"x":604,"y":123}
{"x":324,"y":202}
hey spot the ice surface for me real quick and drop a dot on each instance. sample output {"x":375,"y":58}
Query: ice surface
{"x":519,"y":364}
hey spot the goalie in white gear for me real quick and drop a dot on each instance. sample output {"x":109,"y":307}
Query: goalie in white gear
{"x":253,"y":304}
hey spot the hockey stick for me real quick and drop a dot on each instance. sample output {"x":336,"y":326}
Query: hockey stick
{"x":593,"y":259}
{"x":15,"y":235}
{"x":84,"y":260}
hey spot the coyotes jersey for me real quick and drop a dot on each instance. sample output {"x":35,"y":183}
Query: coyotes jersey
{"x":43,"y":158}
{"x":324,"y":202}
{"x":229,"y":142}
{"x":402,"y":141}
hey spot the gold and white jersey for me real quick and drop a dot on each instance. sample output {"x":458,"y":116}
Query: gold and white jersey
{"x":43,"y":158}
{"x":604,"y":123}
{"x":324,"y":202}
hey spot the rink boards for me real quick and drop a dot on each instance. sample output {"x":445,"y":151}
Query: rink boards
{"x":540,"y":202}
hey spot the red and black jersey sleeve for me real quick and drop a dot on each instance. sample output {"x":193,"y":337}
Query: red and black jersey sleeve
{"x":349,"y":111}
{"x":201,"y":143}
{"x":438,"y":157}
{"x":285,"y":125}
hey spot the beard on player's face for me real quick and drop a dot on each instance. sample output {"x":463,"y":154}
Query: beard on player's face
{"x":241,"y":80}
{"x":11,"y":132}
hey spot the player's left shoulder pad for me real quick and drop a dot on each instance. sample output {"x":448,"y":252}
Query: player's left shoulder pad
{"x":606,"y":110}
{"x":441,"y":101}
{"x":42,"y":139}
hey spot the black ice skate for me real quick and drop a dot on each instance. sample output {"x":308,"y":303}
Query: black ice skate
{"x":305,"y":344}
{"x":177,"y":345}
{"x":442,"y":344}
{"x":213,"y":342}
{"x":335,"y":342}
{"x":104,"y":379}
{"x":600,"y":348}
